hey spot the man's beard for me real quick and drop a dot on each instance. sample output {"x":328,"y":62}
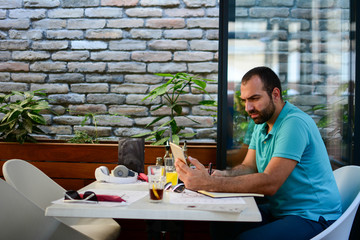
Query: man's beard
{"x":264,"y":115}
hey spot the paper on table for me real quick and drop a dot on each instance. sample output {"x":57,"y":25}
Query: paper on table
{"x":218,"y":208}
{"x":128,"y":195}
{"x":191,"y":197}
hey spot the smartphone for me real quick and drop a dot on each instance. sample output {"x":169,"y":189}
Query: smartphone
{"x":177,"y":152}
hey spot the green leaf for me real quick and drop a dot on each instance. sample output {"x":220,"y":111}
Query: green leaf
{"x":200,"y":83}
{"x":177,"y":109}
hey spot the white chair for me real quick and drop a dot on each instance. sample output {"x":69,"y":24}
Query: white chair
{"x":22,"y":219}
{"x":42,"y":190}
{"x":348,"y":181}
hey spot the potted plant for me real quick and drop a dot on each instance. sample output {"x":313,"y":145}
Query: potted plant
{"x":171,"y":92}
{"x":22,"y":116}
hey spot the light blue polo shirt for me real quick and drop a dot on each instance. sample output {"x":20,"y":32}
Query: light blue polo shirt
{"x":310,"y":191}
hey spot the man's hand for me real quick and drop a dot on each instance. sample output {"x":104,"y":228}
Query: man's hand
{"x":194,"y":179}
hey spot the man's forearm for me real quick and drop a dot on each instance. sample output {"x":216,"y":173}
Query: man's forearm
{"x":238,"y":170}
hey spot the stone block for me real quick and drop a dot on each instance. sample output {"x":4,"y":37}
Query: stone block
{"x":168,"y":45}
{"x":7,"y":87}
{"x":86,"y":67}
{"x":30,"y":55}
{"x":167,"y":67}
{"x":86,"y":109}
{"x":125,"y":23}
{"x":48,"y":67}
{"x":151,"y":56}
{"x":143,"y":78}
{"x":128,"y":110}
{"x":70,"y":98}
{"x":94,"y":131}
{"x":200,"y":3}
{"x":5,"y":55}
{"x":128,"y":132}
{"x":6,"y":4}
{"x":93,"y":45}
{"x":14,"y":45}
{"x":50,"y":45}
{"x":64,"y":34}
{"x":207,"y":67}
{"x":120,"y":3}
{"x":108,"y":98}
{"x":70,"y":56}
{"x":70,"y":120}
{"x":163,"y":3}
{"x":28,"y":13}
{"x":144,"y":12}
{"x":50,"y":88}
{"x":109,"y":78}
{"x":104,"y":34}
{"x":127,"y":67}
{"x":202,"y":121}
{"x":80,"y":3}
{"x":66,"y":78}
{"x":49,"y":24}
{"x":203,"y":23}
{"x":26,"y":35}
{"x":137,"y":99}
{"x":14,"y":66}
{"x":184,"y":12}
{"x":66,"y":13}
{"x":4,"y":77}
{"x":85,"y":23}
{"x":213,"y":12}
{"x":212,"y":34}
{"x":56,"y":129}
{"x":41,"y":3}
{"x":193,"y":56}
{"x":104,"y":12}
{"x":183,"y":34}
{"x":145,"y":34}
{"x":127,"y":45}
{"x":110,"y":56}
{"x":129,"y":88}
{"x":204,"y":45}
{"x":146,"y":120}
{"x":89,"y":87}
{"x":113,"y":120}
{"x":207,"y":133}
{"x":28,"y":77}
{"x":2,"y":13}
{"x":165,"y":23}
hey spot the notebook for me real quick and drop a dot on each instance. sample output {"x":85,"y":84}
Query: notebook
{"x":227,"y":195}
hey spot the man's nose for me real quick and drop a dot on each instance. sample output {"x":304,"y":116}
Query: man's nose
{"x":248,"y":106}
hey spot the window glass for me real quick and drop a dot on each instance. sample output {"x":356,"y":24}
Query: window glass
{"x":307,"y":44}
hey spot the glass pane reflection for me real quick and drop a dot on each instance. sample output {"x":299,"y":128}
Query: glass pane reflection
{"x":307,"y":44}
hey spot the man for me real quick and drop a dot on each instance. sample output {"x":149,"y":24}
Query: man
{"x":287,"y":162}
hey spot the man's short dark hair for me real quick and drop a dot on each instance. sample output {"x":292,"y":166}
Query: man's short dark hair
{"x":267,"y":76}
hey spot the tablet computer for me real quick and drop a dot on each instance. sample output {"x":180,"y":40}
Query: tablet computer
{"x":177,"y":152}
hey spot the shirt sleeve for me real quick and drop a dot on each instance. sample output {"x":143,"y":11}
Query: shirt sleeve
{"x":291,"y":139}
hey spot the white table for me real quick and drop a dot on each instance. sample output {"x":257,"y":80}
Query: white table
{"x":144,"y":209}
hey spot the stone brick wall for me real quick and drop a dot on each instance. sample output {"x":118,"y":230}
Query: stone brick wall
{"x":100,"y":56}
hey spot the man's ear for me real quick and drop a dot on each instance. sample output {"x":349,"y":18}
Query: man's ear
{"x":276,"y":94}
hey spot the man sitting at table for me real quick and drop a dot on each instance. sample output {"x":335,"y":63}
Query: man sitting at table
{"x":287,"y":162}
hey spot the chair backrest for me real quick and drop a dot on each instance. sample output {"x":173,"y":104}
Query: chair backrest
{"x":22,"y":219}
{"x":348,"y":181}
{"x":32,"y":182}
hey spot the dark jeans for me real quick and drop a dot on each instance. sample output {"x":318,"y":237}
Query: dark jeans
{"x":288,"y":227}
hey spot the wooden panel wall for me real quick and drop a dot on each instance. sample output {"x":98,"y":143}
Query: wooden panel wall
{"x":73,"y":165}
